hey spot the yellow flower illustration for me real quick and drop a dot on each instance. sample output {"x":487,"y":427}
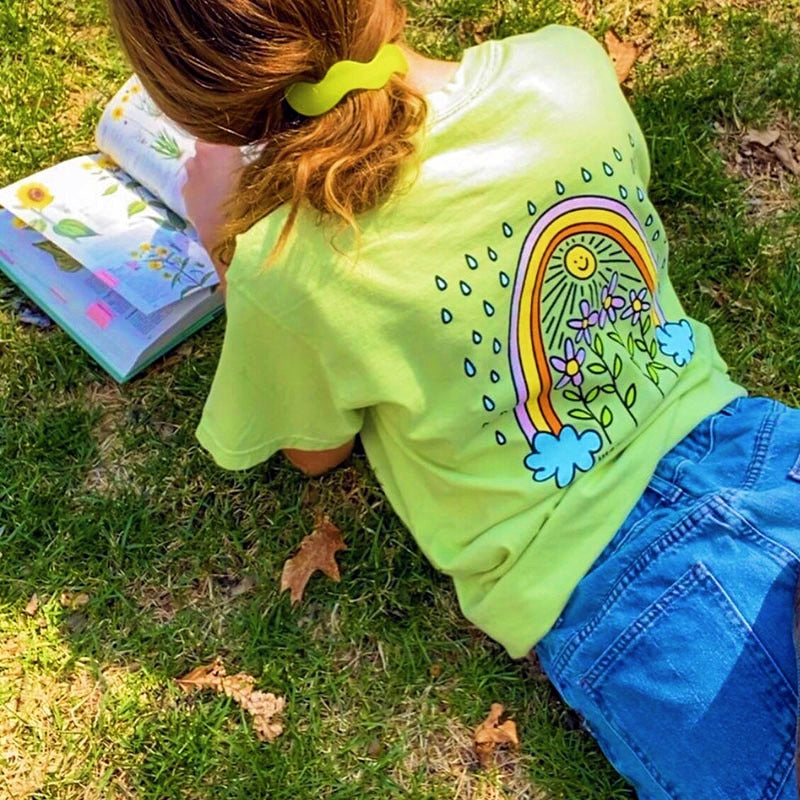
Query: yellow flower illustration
{"x":162,"y":251}
{"x":155,"y":264}
{"x":135,"y":89}
{"x":146,"y":247}
{"x":18,"y":223}
{"x":106,"y":162}
{"x":34,"y":195}
{"x":126,"y":97}
{"x":118,"y":113}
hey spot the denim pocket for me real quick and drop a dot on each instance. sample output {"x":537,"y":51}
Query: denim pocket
{"x":696,"y":698}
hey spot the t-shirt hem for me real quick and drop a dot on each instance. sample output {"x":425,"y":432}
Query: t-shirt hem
{"x":245,"y":459}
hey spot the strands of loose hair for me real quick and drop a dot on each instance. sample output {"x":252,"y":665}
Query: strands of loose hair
{"x":221,"y":68}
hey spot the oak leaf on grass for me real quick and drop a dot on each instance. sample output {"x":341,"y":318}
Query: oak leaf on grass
{"x":262,"y":706}
{"x":491,"y":733}
{"x":623,"y":55}
{"x":317,"y":552}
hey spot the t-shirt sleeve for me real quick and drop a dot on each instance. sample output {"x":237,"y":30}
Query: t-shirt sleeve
{"x":270,"y":391}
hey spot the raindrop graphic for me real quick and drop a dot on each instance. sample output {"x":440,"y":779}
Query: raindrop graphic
{"x":446,"y":316}
{"x":640,"y":194}
{"x":649,"y":220}
{"x":560,"y":188}
{"x":441,"y":283}
{"x":586,"y":175}
{"x":656,"y":236}
{"x":617,"y":154}
{"x":531,"y":208}
{"x":476,"y":337}
{"x":472,"y":262}
{"x":504,"y":279}
{"x":496,"y":346}
{"x":608,"y":169}
{"x":469,"y":368}
{"x":623,"y":192}
{"x":488,"y":308}
{"x":488,"y":403}
{"x":508,"y":231}
{"x":494,"y":376}
{"x":465,"y":288}
{"x":491,"y":253}
{"x":500,"y":438}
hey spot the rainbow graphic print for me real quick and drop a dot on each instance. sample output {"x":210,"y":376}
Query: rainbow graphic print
{"x":587,"y":335}
{"x":566,"y":344}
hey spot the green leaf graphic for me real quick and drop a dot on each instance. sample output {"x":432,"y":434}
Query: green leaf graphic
{"x":136,"y":207}
{"x":597,"y":369}
{"x":65,"y":262}
{"x":598,"y":346}
{"x":571,"y":394}
{"x":606,"y":417}
{"x":630,"y":396}
{"x":616,"y":370}
{"x":72,"y":229}
{"x":176,"y":221}
{"x":579,"y":413}
{"x":111,"y":189}
{"x":592,"y":394}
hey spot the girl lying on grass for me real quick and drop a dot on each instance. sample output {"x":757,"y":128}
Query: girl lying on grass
{"x":460,"y":264}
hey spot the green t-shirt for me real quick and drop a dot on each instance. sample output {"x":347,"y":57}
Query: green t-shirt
{"x":505,"y":338}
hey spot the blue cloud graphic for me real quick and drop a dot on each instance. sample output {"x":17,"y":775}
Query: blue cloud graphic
{"x":676,"y":339}
{"x":560,"y":455}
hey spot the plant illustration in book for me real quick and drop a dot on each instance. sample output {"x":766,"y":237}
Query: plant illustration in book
{"x":97,"y":214}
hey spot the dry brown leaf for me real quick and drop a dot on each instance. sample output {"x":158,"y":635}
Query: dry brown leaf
{"x":786,"y":157}
{"x":764,"y":138}
{"x":33,"y":605}
{"x":317,"y":552}
{"x":471,"y":31}
{"x":491,"y":733}
{"x":262,"y":706}
{"x":73,"y":600}
{"x":623,"y":55}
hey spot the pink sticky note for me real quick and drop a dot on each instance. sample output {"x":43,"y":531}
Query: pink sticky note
{"x":100,"y":314}
{"x":107,"y":278}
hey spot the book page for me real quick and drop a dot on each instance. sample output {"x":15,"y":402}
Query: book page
{"x":130,"y":240}
{"x":147,"y":144}
{"x":99,"y":318}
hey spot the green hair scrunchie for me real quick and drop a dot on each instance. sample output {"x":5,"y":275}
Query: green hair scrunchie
{"x":313,"y":99}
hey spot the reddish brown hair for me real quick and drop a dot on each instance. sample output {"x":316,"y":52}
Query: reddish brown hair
{"x":220,"y":69}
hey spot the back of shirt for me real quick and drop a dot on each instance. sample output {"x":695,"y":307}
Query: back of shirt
{"x":504,"y":335}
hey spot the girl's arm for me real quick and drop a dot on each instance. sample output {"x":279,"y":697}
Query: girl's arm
{"x":315,"y":462}
{"x":212,"y":176}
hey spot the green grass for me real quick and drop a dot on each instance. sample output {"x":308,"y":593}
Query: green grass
{"x":103,"y":490}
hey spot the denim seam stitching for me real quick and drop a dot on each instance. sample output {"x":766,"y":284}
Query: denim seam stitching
{"x":760,"y":448}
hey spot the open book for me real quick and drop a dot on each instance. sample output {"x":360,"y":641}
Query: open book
{"x":101,"y":244}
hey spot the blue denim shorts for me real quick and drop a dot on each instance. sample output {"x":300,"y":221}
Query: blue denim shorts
{"x":676,"y":648}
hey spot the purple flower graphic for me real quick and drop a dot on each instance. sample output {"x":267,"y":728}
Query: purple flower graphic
{"x":582,"y":324}
{"x":570,"y":365}
{"x":560,"y":455}
{"x":637,"y":305}
{"x":609,"y":302}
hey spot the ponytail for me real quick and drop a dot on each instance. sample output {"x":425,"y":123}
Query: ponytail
{"x":221,"y":68}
